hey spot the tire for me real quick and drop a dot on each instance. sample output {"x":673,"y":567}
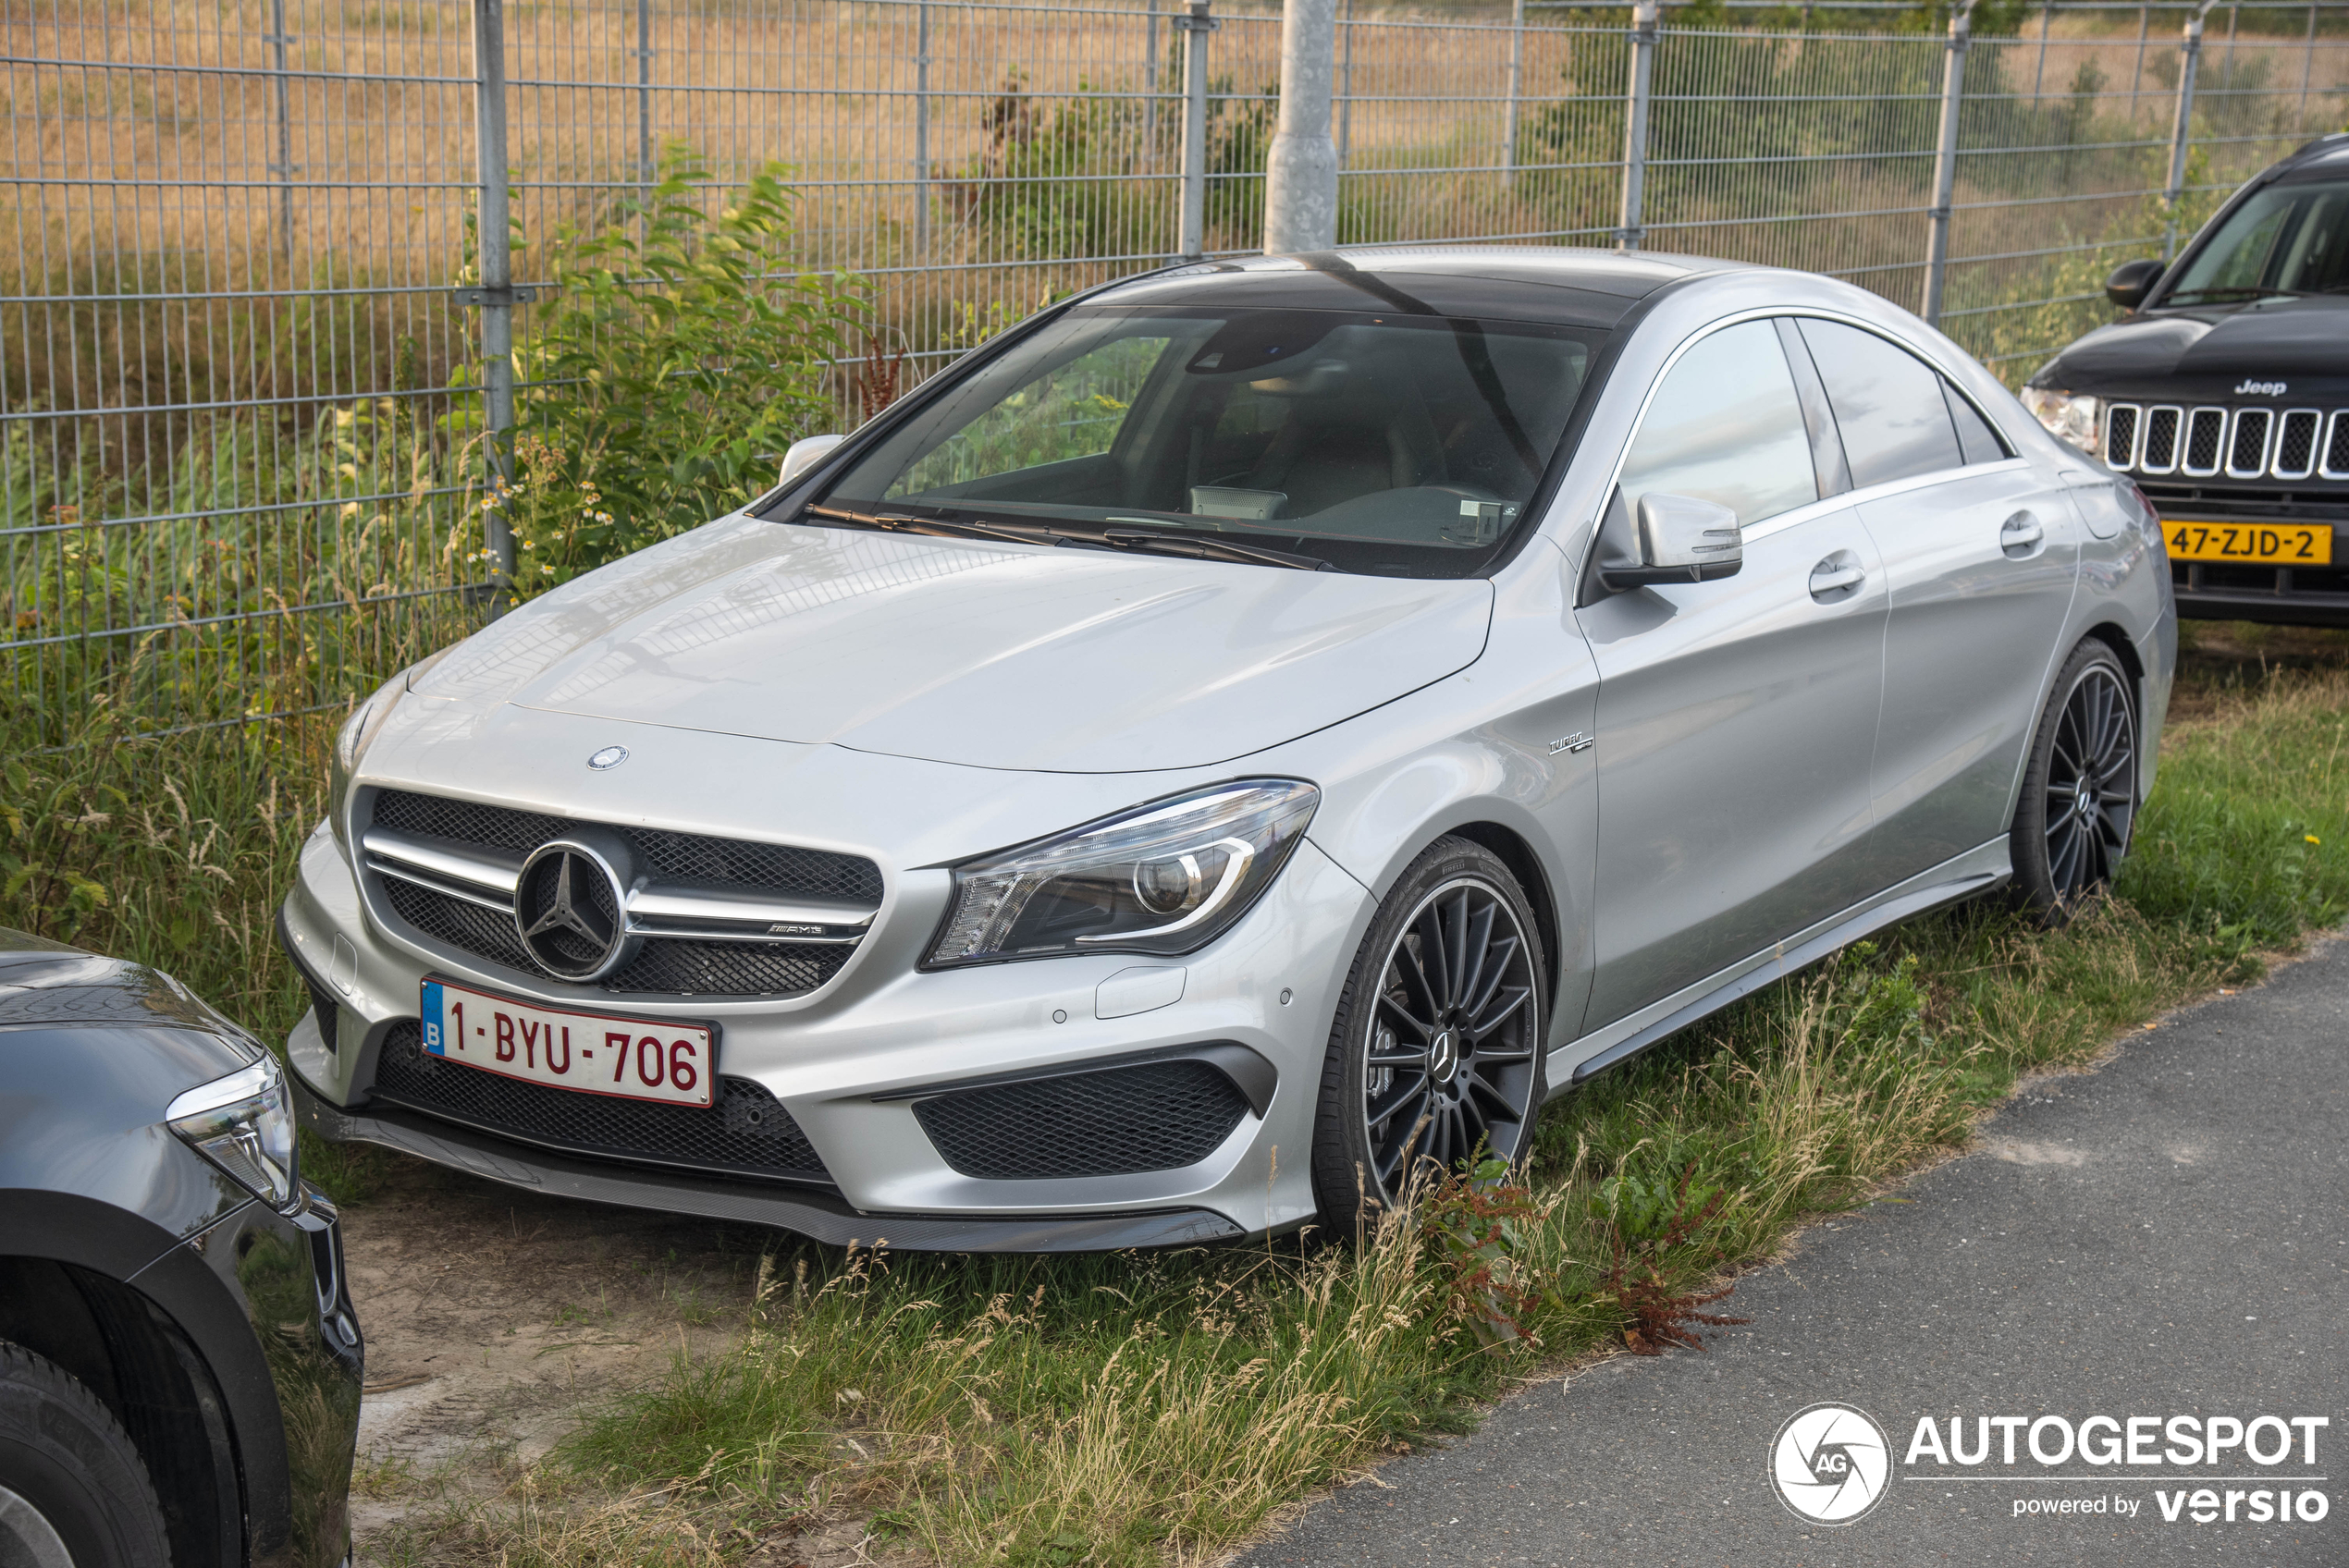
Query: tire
{"x":2079,"y":802}
{"x":1454,"y":954}
{"x":73,"y":1488}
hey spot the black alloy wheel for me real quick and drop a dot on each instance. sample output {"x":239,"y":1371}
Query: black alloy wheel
{"x":2079,"y":800}
{"x":1436,"y":1057}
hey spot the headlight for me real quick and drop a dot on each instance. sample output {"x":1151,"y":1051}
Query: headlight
{"x":2077,"y":419}
{"x":241,"y":1124}
{"x":1165,"y":877}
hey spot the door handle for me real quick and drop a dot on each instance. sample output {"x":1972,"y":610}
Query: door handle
{"x":1835,"y":574}
{"x":2020,"y":534}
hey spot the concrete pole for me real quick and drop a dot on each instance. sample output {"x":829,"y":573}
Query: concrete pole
{"x":1630,"y":219}
{"x":1300,"y":177}
{"x":1193,"y":26}
{"x":2181,"y":130}
{"x":1945,"y":162}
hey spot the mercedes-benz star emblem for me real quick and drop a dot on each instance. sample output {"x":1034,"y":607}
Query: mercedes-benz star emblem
{"x":567,"y":909}
{"x":609,"y":758}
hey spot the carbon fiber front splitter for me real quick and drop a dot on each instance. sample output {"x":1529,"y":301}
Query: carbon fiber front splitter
{"x":819,"y":1216}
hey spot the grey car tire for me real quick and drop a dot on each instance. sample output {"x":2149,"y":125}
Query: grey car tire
{"x":1436,"y":1051}
{"x":74,"y":1492}
{"x":2079,"y":802}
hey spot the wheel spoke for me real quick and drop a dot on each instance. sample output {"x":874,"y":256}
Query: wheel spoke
{"x":1516,"y":998}
{"x":1456,"y":950}
{"x":1478,"y":950}
{"x":1492,"y":1105}
{"x":1432,"y":957}
{"x":1407,"y":1093}
{"x":1398,"y":1013}
{"x":1507,"y":948}
{"x":1413,"y":973}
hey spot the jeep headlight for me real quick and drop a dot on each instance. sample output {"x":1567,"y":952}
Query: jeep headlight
{"x":242,"y":1124}
{"x":1168,"y":877}
{"x":2077,"y":419}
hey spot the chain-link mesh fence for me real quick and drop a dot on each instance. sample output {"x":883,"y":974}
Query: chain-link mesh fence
{"x":241,"y":428}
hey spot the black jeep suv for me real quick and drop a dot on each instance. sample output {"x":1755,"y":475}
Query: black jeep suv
{"x":2224,"y":394}
{"x":179,"y":1371}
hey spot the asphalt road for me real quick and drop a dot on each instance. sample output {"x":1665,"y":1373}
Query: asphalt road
{"x":2168,"y":1236}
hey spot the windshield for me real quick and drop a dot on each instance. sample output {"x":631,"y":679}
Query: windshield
{"x":1398,"y":444}
{"x":2285,"y":239}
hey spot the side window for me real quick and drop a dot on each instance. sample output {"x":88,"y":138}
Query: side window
{"x":1888,"y":404}
{"x":1976,"y":440}
{"x":1725,"y":426}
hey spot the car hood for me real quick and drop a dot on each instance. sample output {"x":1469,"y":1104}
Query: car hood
{"x":1068,"y":659}
{"x":2210,"y":355}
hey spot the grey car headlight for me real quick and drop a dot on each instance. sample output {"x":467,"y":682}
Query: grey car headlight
{"x":242,"y":1124}
{"x":1168,"y":877}
{"x":2079,"y":420}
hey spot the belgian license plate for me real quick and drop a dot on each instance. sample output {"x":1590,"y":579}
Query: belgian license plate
{"x":637,"y":1059}
{"x":2262,"y":544}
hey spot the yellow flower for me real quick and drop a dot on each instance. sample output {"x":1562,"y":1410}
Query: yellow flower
{"x":2312,"y":838}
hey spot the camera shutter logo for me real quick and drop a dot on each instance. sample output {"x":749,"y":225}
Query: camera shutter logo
{"x":1830,"y":1464}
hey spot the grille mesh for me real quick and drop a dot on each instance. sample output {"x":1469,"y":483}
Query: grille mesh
{"x":675,"y":966}
{"x":325,"y":1008}
{"x":2336,"y":450}
{"x":2296,"y":444}
{"x":663,"y":966}
{"x":1158,"y":1116}
{"x":681,"y":857}
{"x":747,"y":1132}
{"x":2205,"y":430}
{"x":2248,"y":453}
{"x":2120,"y":436}
{"x":2161,"y":440}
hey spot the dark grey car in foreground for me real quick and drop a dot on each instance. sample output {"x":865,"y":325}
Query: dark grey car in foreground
{"x":179,"y":1366}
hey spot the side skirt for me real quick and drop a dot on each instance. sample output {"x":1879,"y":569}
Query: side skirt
{"x":1961,"y":877}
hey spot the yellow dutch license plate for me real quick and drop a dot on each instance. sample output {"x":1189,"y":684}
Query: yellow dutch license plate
{"x":2258,"y":543}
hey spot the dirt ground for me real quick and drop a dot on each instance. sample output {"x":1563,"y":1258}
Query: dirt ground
{"x":493,"y":1315}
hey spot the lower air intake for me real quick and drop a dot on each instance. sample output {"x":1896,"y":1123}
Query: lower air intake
{"x":747,"y":1132}
{"x":1119,"y":1122}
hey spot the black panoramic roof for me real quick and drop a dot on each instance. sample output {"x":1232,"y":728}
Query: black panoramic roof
{"x":1590,"y":288}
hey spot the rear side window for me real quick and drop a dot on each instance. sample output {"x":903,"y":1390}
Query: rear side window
{"x":1889,"y":405}
{"x":1976,"y":440}
{"x":1725,"y":426}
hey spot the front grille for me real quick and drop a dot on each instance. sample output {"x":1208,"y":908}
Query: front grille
{"x":663,"y":965}
{"x":1119,"y":1122}
{"x":747,"y":1132}
{"x":2248,"y":444}
{"x":783,"y":869}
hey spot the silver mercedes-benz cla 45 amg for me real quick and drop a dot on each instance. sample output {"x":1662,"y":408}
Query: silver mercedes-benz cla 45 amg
{"x":1248,"y":735}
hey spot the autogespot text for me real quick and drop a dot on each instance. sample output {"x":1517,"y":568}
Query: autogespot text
{"x":2167,"y":1458}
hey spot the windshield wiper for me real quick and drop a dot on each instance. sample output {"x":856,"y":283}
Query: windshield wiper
{"x":2236,"y":291}
{"x":941,"y":528}
{"x":1208,"y":546}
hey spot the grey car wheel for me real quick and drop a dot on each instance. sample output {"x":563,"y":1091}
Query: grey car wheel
{"x":1436,"y":1058}
{"x":2079,"y":802}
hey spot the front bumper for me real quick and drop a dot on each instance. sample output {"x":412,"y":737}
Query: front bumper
{"x":852,"y":1061}
{"x":2245,"y":591}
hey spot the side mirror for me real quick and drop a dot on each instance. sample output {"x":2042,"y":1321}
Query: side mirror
{"x":2131,"y":282}
{"x":1675,"y":539}
{"x":805,"y":454}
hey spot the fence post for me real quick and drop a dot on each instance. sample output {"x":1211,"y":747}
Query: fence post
{"x":1194,"y":27}
{"x":1300,"y":175}
{"x":283,"y":169}
{"x":2182,"y":129}
{"x":1149,"y":88}
{"x":921,"y":134}
{"x":1945,"y":162}
{"x":495,"y":295}
{"x":1346,"y":92}
{"x":1631,"y":221}
{"x":1517,"y":79}
{"x":645,"y":100}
